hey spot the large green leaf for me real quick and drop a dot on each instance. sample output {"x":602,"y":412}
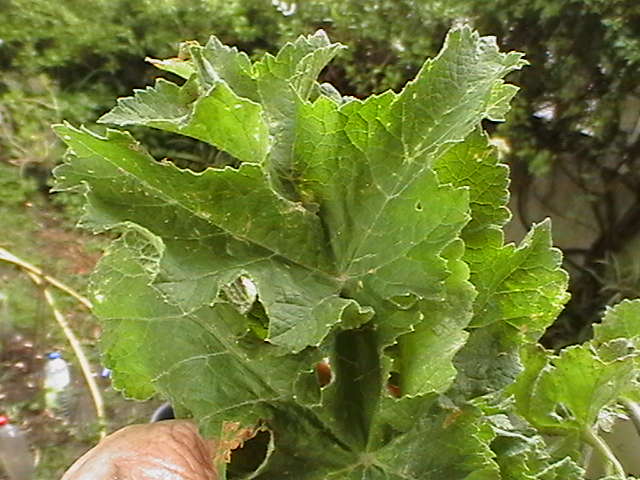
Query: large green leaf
{"x":210,"y":245}
{"x":218,"y":117}
{"x":366,"y":232}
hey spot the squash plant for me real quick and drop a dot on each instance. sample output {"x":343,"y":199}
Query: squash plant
{"x":335,"y":289}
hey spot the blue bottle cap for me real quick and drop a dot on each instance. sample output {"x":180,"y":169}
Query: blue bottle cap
{"x":54,"y":355}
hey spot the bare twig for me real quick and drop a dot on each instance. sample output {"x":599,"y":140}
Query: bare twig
{"x":9,"y":257}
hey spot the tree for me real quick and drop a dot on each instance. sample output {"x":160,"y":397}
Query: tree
{"x":577,"y":125}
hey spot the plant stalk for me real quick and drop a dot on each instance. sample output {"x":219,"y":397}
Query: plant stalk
{"x":633,"y":409}
{"x":603,"y":449}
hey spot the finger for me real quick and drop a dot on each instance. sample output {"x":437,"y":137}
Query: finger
{"x":169,"y":449}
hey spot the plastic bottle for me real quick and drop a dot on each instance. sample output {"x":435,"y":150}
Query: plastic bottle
{"x":57,"y":384}
{"x":15,"y":456}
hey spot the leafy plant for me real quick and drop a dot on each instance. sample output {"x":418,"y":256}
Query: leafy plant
{"x":574,"y":125}
{"x":340,"y":289}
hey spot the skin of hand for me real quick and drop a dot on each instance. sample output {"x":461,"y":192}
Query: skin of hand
{"x":167,"y":450}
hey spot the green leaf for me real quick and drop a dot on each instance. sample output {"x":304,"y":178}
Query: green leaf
{"x":290,"y":77}
{"x":218,"y":117}
{"x":566,"y":392}
{"x":210,"y":245}
{"x":520,"y":290}
{"x":425,"y":362}
{"x":238,"y":202}
{"x":366,"y":233}
{"x":465,"y":77}
{"x":201,"y":341}
{"x":177,"y":66}
{"x":285,"y":83}
{"x":565,"y":469}
{"x":474,"y":164}
{"x":498,"y":344}
{"x":216,"y":62}
{"x":621,"y":321}
{"x":522,"y":453}
{"x":523,"y":286}
{"x":408,"y":200}
{"x":456,"y":441}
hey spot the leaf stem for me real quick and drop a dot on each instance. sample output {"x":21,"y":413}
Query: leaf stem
{"x":603,"y":449}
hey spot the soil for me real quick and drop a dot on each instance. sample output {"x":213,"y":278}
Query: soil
{"x":69,"y":247}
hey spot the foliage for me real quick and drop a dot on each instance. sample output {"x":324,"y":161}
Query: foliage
{"x":360,"y":236}
{"x":112,"y":54}
{"x":576,"y":124}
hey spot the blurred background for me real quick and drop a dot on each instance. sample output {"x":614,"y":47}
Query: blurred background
{"x":572,"y":141}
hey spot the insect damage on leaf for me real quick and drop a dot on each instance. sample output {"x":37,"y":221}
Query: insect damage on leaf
{"x":345,"y":286}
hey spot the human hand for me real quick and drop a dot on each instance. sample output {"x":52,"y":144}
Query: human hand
{"x":168,"y":449}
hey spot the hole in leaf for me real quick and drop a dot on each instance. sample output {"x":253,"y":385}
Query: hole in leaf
{"x":258,"y":320}
{"x":393,"y":385}
{"x":324,"y":373}
{"x":562,"y":412}
{"x":242,"y":293}
{"x":419,"y":206}
{"x":404,"y":302}
{"x":250,"y":457}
